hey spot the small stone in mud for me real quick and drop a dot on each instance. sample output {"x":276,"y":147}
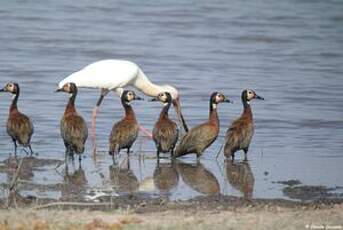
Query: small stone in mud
{"x":266,"y":173}
{"x":289,"y":182}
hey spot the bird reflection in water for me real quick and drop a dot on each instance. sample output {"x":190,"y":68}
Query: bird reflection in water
{"x":240,"y":177}
{"x":198,"y":178}
{"x":122,"y":178}
{"x":11,"y":168}
{"x":166,"y":177}
{"x":75,"y":184}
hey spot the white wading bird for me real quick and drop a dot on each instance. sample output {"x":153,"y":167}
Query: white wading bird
{"x":114,"y":75}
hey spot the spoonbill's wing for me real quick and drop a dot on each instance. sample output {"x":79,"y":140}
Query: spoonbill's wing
{"x":107,"y":74}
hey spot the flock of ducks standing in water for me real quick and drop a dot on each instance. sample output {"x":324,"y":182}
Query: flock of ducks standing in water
{"x":114,"y":75}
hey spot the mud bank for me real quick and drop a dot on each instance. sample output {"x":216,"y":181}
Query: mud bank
{"x":256,"y":215}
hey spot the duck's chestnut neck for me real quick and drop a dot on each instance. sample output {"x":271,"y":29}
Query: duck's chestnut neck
{"x":247,"y":109}
{"x":128,"y":108}
{"x":72,"y":97}
{"x":245,"y":100}
{"x":246,"y":103}
{"x":70,"y":108}
{"x":213,"y":116}
{"x":166,"y":107}
{"x":13,"y":106}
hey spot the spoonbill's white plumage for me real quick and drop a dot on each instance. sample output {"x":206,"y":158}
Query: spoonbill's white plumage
{"x":105,"y":74}
{"x":114,"y":75}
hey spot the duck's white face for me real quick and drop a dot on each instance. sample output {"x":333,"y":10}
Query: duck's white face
{"x":162,"y":97}
{"x":219,"y":98}
{"x":250,"y":94}
{"x":10,"y":87}
{"x":130,"y":96}
{"x":170,"y":89}
{"x":67,"y":88}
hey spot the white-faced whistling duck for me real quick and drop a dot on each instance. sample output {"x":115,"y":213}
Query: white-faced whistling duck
{"x":19,"y":126}
{"x":165,"y":132}
{"x":125,"y":132}
{"x":74,"y":129}
{"x":202,"y":136}
{"x":239,"y":134}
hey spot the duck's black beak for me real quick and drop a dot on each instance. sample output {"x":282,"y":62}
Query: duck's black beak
{"x":139,"y":98}
{"x":227,"y":100}
{"x":58,"y":90}
{"x":153,"y":99}
{"x":259,"y":97}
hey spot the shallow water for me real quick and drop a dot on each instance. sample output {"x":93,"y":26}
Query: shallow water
{"x":290,"y":52}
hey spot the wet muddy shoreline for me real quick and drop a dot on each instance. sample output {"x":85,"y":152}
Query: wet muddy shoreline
{"x":69,"y":203}
{"x":141,"y":204}
{"x":125,"y":192}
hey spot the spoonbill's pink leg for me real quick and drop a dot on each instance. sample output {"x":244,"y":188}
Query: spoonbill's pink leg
{"x":104,"y":92}
{"x":145,"y":131}
{"x":93,"y":128}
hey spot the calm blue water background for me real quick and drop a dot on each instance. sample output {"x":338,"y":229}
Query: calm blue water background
{"x":290,"y":52}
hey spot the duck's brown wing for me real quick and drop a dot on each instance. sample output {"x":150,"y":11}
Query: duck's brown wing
{"x":74,"y":132}
{"x":123,"y":135}
{"x":197,"y":140}
{"x":20,"y":127}
{"x":165,"y":135}
{"x":238,"y":136}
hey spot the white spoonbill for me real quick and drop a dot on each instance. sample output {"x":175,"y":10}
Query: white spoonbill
{"x":114,"y":75}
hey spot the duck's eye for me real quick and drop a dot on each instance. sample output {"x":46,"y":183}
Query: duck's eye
{"x":249,"y":92}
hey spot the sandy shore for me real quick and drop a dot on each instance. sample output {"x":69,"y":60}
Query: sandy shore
{"x":198,"y":214}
